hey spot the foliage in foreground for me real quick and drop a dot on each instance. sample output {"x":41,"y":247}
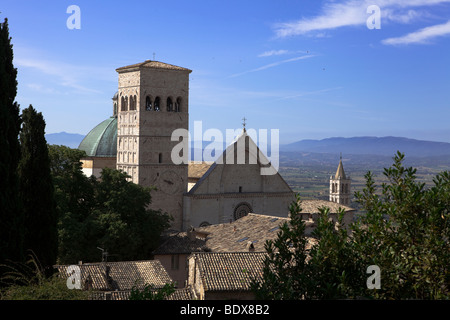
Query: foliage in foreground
{"x":29,"y":282}
{"x":149,"y":292}
{"x":405,"y":232}
{"x":110,"y":212}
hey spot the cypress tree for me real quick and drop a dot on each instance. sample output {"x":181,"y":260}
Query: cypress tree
{"x":11,"y":221}
{"x":36,"y":189}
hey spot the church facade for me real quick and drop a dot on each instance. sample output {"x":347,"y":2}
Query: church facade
{"x":151,"y":102}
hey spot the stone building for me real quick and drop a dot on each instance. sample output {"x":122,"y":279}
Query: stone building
{"x":340,"y":186}
{"x":151,"y":102}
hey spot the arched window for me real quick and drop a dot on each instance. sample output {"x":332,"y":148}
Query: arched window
{"x":148,"y":103}
{"x":126,"y":103}
{"x":178,"y":105}
{"x":133,"y":102}
{"x":122,"y":104}
{"x":157,"y":104}
{"x":169,"y":104}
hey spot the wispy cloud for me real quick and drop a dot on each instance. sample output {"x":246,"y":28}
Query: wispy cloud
{"x":354,"y":13}
{"x":271,"y":65}
{"x":66,"y":75}
{"x":421,"y":36}
{"x":273,"y":53}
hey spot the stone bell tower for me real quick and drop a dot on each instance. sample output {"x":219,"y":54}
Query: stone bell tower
{"x":340,"y":186}
{"x":152,"y":102}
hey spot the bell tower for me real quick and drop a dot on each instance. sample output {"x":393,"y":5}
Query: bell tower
{"x":152,"y":102}
{"x":340,"y":186}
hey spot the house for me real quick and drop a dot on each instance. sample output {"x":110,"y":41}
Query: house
{"x":310,"y":210}
{"x":114,"y":280}
{"x":174,"y":251}
{"x":224,"y":275}
{"x":247,"y":234}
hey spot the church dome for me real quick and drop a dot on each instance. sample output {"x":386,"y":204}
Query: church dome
{"x":102,"y":140}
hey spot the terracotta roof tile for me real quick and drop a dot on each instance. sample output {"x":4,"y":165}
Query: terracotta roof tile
{"x":120,"y":275}
{"x":230,"y":271}
{"x":153,"y":64}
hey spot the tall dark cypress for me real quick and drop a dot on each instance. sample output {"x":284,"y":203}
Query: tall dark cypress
{"x":36,"y":189}
{"x":11,"y":218}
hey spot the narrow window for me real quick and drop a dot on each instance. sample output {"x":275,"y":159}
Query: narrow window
{"x":160,"y":158}
{"x":148,"y":103}
{"x":175,"y":262}
{"x":240,"y":189}
{"x":157,"y":103}
{"x":178,"y":105}
{"x":122,"y":104}
{"x":169,"y":104}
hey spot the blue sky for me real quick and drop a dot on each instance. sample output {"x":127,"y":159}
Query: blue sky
{"x":312,"y":69}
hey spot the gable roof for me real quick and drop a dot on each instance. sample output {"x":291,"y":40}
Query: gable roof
{"x":312,"y":206}
{"x":255,"y":156}
{"x":152,"y":64}
{"x":229,"y":271}
{"x":181,"y":243}
{"x":120,"y":275}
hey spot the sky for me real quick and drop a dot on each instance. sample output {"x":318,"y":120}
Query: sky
{"x":311,"y":69}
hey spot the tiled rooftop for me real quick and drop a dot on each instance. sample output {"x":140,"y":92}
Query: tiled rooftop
{"x":229,"y":271}
{"x":253,"y":229}
{"x":120,"y":276}
{"x":312,"y":206}
{"x":153,"y":64}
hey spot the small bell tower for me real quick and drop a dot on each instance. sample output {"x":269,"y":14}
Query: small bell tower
{"x":340,"y":186}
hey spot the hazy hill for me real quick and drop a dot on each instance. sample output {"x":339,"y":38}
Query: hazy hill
{"x":71,"y":140}
{"x":383,"y":146}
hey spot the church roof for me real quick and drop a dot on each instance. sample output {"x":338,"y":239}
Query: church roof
{"x":102,"y":140}
{"x":340,"y":171}
{"x":152,"y":64}
{"x":255,"y":156}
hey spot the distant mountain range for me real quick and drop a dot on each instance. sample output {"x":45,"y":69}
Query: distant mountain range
{"x":383,"y":146}
{"x":71,"y":140}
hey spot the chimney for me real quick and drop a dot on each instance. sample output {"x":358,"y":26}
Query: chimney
{"x":250,"y":246}
{"x":191,"y":234}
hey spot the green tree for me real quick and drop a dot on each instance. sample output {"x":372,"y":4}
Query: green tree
{"x":322,"y":266}
{"x":36,"y":189}
{"x":126,"y":226}
{"x":11,"y":217}
{"x":110,"y":212}
{"x":405,"y":232}
{"x":74,"y":194}
{"x":149,"y":292}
